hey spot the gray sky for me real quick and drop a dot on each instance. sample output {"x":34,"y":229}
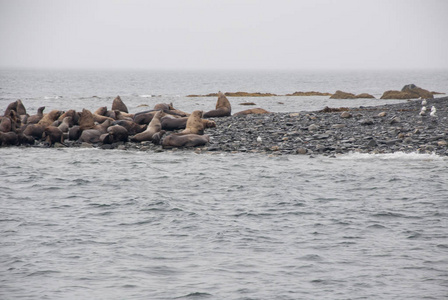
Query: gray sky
{"x":233,"y":34}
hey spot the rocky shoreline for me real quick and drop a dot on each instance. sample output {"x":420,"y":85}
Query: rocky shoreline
{"x":331,"y":131}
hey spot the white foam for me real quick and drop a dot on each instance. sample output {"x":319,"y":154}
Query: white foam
{"x":145,"y":96}
{"x":393,"y":156}
{"x":52,"y":97}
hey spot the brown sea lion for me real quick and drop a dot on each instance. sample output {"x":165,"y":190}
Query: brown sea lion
{"x":132,"y":127}
{"x":53,"y":135}
{"x":119,"y":115}
{"x":174,"y":123}
{"x":223,"y":108}
{"x":74,"y":133}
{"x":153,"y":127}
{"x":6,"y":124}
{"x":169,"y":109}
{"x":255,"y":111}
{"x":118,"y":104}
{"x":157,"y":137}
{"x":185,"y":140}
{"x":11,"y":106}
{"x":103,"y":126}
{"x":144,"y":117}
{"x":70,"y":113}
{"x":90,"y":136}
{"x":9,"y":139}
{"x":67,"y":122}
{"x":115,"y":134}
{"x":34,"y":130}
{"x":25,"y":139}
{"x":34,"y":119}
{"x":194,"y":123}
{"x":101,"y":111}
{"x":100,"y":119}
{"x":10,"y":122}
{"x":86,"y":120}
{"x":49,"y":118}
{"x":21,"y":110}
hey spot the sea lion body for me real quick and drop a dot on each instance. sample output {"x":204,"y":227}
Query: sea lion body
{"x":222,"y":109}
{"x":153,"y":127}
{"x":194,"y":123}
{"x":34,"y":119}
{"x":174,"y":123}
{"x":115,"y":133}
{"x":9,"y":138}
{"x":132,"y":127}
{"x":91,"y":136}
{"x":53,"y":135}
{"x":119,"y":105}
{"x":252,"y":111}
{"x":86,"y":120}
{"x":184,"y":140}
{"x":34,"y":130}
{"x":49,"y":118}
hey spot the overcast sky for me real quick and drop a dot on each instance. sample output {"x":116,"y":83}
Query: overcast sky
{"x":233,"y":34}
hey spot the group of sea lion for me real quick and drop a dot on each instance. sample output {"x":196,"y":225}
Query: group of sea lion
{"x":110,"y":126}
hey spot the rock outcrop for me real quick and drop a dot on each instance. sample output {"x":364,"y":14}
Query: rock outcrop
{"x":410,"y":91}
{"x":344,"y":95}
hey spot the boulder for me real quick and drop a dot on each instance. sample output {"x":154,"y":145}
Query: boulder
{"x":409,"y":91}
{"x":343,"y":95}
{"x":311,"y":93}
{"x":365,"y":96}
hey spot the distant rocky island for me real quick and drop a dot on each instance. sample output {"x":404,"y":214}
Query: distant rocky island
{"x":410,"y":91}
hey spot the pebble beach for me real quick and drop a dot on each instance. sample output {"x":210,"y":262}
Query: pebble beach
{"x":331,"y":131}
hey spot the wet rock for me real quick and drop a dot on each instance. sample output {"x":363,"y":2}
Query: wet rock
{"x":313,"y":127}
{"x":345,"y":115}
{"x":366,"y":122}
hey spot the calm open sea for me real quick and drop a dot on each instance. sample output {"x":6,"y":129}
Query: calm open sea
{"x":111,"y":224}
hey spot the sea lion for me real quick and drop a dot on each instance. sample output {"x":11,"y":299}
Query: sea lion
{"x":115,"y":134}
{"x":184,"y":140}
{"x":91,"y":136}
{"x":169,"y":109}
{"x":70,"y":113}
{"x":103,"y":126}
{"x":118,"y":104}
{"x":153,"y":127}
{"x":86,"y":120}
{"x":9,"y":138}
{"x":49,"y":118}
{"x":10,"y":122}
{"x":101,"y":111}
{"x":25,"y":139}
{"x":6,"y":124}
{"x":21,"y":110}
{"x":123,"y":116}
{"x":194,"y":123}
{"x":255,"y":111}
{"x":144,"y":117}
{"x":174,"y":123}
{"x":74,"y":133}
{"x":132,"y":127}
{"x":223,"y":108}
{"x":157,"y":137}
{"x":67,"y":122}
{"x":53,"y":135}
{"x":34,"y":130}
{"x":34,"y":119}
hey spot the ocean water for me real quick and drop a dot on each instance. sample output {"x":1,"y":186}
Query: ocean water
{"x":112,"y":224}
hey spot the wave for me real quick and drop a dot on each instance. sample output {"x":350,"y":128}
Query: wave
{"x":52,"y":97}
{"x":393,"y":156}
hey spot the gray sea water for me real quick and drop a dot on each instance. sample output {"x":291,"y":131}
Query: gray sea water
{"x":111,"y":224}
